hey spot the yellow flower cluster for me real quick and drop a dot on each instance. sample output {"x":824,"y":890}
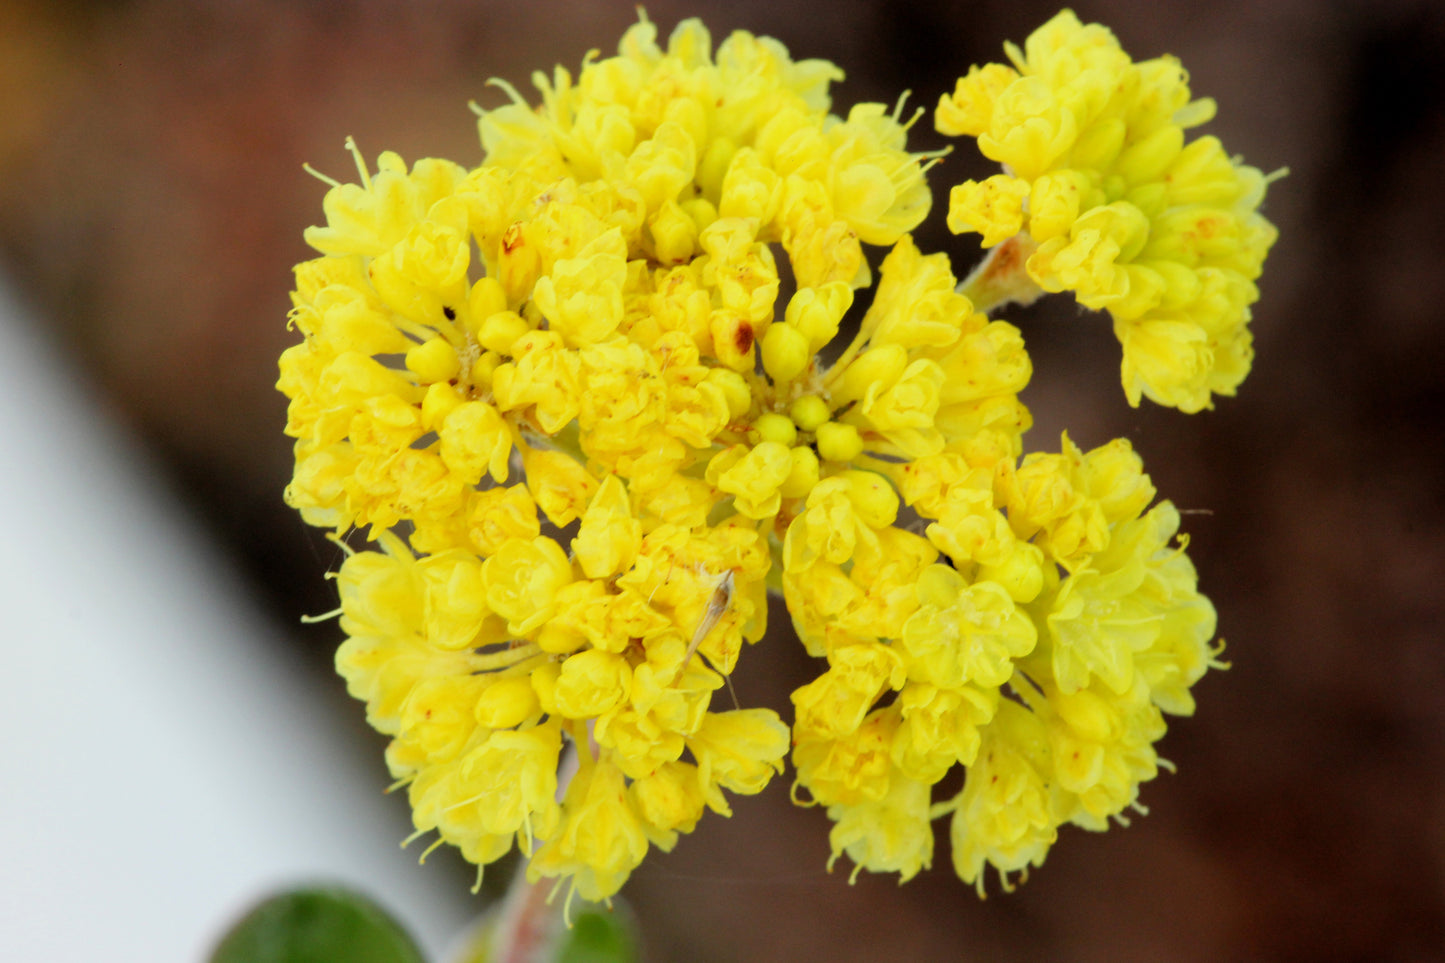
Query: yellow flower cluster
{"x":1033,"y":634}
{"x":581,"y":412}
{"x":536,"y":384}
{"x":1101,"y":188}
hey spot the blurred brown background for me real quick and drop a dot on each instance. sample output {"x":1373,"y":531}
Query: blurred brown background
{"x":152,"y":203}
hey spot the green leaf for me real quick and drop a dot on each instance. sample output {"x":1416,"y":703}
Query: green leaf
{"x":322,"y":925}
{"x":598,"y":938}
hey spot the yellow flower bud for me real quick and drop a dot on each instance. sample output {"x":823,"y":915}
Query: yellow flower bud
{"x":498,"y":514}
{"x":440,"y":399}
{"x":716,"y":162}
{"x":803,"y":476}
{"x":835,"y":703}
{"x":435,"y":723}
{"x":456,"y":599}
{"x":1148,"y":159}
{"x":433,"y":361}
{"x":732,"y":338}
{"x":738,"y":750}
{"x":786,"y":352}
{"x":734,"y":389}
{"x":809,"y":411}
{"x":1005,"y":815}
{"x":582,"y":296}
{"x":601,"y":839}
{"x":1021,"y":572}
{"x":973,"y":639}
{"x":1099,"y":145}
{"x":816,"y":312}
{"x":776,"y":428}
{"x":851,"y":769}
{"x":874,"y":500}
{"x":890,"y":835}
{"x":941,"y":726}
{"x":702,"y":212}
{"x":483,"y":369}
{"x":1031,"y":127}
{"x":435,"y":253}
{"x":499,"y":331}
{"x":560,"y":486}
{"x":969,"y":111}
{"x":669,"y":800}
{"x":519,"y":264}
{"x":507,"y":702}
{"x":674,"y":234}
{"x":663,"y":165}
{"x":752,"y":477}
{"x":544,"y":683}
{"x":750,"y":189}
{"x":837,"y":442}
{"x":1055,"y":203}
{"x":486,"y":298}
{"x":872,"y":368}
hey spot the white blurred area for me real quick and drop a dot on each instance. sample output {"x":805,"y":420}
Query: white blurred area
{"x":165,"y":766}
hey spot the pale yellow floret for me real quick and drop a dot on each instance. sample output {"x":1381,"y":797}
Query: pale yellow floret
{"x":891,"y":835}
{"x":739,"y":751}
{"x":1103,"y":746}
{"x":815,"y":312}
{"x":591,"y":683}
{"x":993,"y":208}
{"x":1117,"y":605}
{"x":669,"y":801}
{"x":1004,"y":815}
{"x":560,"y":485}
{"x":850,"y":769}
{"x":836,"y":702}
{"x":601,"y":838}
{"x":753,"y":476}
{"x":940,"y":728}
{"x":475,"y":441}
{"x":506,"y":703}
{"x":522,"y":580}
{"x":610,"y":536}
{"x":969,"y":111}
{"x":963,"y":633}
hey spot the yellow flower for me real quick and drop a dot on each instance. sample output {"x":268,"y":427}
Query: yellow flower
{"x":601,"y":838}
{"x":562,"y":396}
{"x":836,"y":702}
{"x":1004,"y":815}
{"x":891,"y":835}
{"x":1115,"y":206}
{"x":963,"y":633}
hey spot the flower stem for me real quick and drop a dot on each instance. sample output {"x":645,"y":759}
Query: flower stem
{"x":1001,"y":277}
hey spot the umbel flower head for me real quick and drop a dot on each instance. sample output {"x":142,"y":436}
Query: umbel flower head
{"x":575,"y":398}
{"x":1107,"y":200}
